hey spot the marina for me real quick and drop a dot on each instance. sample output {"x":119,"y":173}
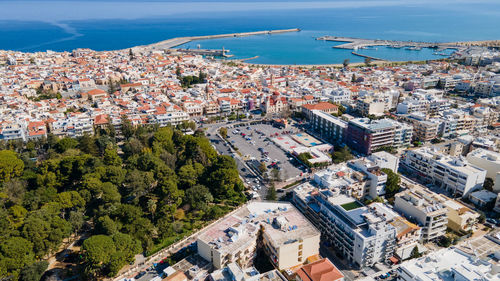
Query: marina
{"x":360,"y":43}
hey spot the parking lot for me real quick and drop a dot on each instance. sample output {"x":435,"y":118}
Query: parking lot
{"x":253,"y":143}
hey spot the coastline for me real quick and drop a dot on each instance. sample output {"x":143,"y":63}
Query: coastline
{"x":172,"y":43}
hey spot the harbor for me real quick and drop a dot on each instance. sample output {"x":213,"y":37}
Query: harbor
{"x":175,"y":42}
{"x":352,"y":43}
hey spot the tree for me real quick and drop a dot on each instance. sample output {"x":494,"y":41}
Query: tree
{"x":33,"y":272}
{"x":97,"y":252}
{"x":393,"y":180}
{"x":223,"y":132}
{"x":343,"y":154}
{"x":10,"y":165}
{"x":275,"y":174}
{"x":415,"y":254}
{"x":15,"y":254}
{"x":111,"y":157}
{"x":126,"y":127}
{"x":198,"y":197}
{"x":111,"y":86}
{"x":65,"y":144}
{"x":488,"y":184}
{"x":368,"y":61}
{"x":15,"y":190}
{"x":345,"y":63}
{"x":262,"y":167}
{"x":271,"y":193}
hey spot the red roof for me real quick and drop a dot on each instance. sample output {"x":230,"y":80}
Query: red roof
{"x":322,"y":270}
{"x":320,"y":106}
{"x":101,"y":119}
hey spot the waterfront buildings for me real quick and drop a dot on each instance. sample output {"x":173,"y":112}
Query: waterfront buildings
{"x":454,"y":174}
{"x":287,"y":236}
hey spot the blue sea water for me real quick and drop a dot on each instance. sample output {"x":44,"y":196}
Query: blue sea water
{"x":116,"y":24}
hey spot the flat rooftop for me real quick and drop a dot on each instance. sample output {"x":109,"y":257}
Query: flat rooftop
{"x":240,"y":228}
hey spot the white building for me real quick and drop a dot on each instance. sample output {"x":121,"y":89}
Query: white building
{"x":425,"y":208}
{"x":454,"y":174}
{"x":488,"y":160}
{"x":359,"y":233}
{"x":446,"y":265}
{"x":288,"y":237}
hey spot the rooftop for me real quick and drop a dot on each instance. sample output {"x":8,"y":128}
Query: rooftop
{"x":322,"y":270}
{"x":240,"y":228}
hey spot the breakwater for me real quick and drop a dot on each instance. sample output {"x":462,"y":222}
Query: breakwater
{"x":174,"y":42}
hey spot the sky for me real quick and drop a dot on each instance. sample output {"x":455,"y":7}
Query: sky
{"x":69,"y":10}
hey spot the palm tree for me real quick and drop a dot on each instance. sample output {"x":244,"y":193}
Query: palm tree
{"x":152,"y":207}
{"x":346,"y":63}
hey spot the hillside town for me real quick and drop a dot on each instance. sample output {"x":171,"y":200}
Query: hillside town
{"x":372,"y":172}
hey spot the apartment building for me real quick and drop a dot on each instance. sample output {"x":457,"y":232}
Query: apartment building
{"x":460,"y":217}
{"x":376,"y":178}
{"x":425,"y":208}
{"x":328,"y":127}
{"x":359,"y":233}
{"x":488,"y":160}
{"x":366,"y":136}
{"x":448,"y":264}
{"x":371,"y":106}
{"x":424,"y":129}
{"x":169,"y":118}
{"x":12,"y":131}
{"x":407,"y":233}
{"x":234,"y":272}
{"x":427,"y":102}
{"x":343,"y":177}
{"x":455,"y":174}
{"x":288,"y":237}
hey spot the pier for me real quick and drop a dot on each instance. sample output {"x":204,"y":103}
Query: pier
{"x":206,"y":52}
{"x":352,"y":43}
{"x":365,"y":56}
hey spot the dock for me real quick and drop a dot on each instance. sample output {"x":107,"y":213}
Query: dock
{"x":352,"y":43}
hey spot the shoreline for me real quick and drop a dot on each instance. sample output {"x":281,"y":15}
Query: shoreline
{"x":170,"y":44}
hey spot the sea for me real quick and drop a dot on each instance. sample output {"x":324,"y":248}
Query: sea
{"x":64,"y":25}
